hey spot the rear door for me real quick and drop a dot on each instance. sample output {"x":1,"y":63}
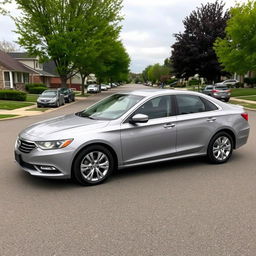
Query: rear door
{"x":153,"y":140}
{"x":196,"y":123}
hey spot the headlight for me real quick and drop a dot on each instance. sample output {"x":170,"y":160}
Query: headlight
{"x":54,"y":144}
{"x":53,"y":100}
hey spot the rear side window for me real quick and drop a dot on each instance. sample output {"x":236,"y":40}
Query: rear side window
{"x":189,"y":104}
{"x":209,"y":105}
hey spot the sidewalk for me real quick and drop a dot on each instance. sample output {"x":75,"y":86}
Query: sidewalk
{"x":245,"y":101}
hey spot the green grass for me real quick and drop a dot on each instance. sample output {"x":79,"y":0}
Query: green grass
{"x":10,"y":105}
{"x":85,"y":95}
{"x":253,"y":98}
{"x":246,"y":105}
{"x":235,"y":92}
{"x":6,"y":116}
{"x":37,"y":109}
{"x":32,"y":97}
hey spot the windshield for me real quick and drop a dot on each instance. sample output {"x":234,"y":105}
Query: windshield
{"x":112,"y":107}
{"x":49,"y":94}
{"x":93,"y":86}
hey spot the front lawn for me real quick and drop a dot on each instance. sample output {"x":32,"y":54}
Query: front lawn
{"x":32,"y":97}
{"x":6,"y":116}
{"x":37,"y":109}
{"x":10,"y":105}
{"x":248,"y":98}
{"x":246,"y":105}
{"x":235,"y":92}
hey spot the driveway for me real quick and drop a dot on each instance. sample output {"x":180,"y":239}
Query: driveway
{"x":184,"y":207}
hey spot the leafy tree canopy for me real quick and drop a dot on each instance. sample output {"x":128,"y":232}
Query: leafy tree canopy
{"x":193,"y":51}
{"x":237,"y":51}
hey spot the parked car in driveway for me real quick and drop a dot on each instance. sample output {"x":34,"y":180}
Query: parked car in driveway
{"x":220,"y":92}
{"x":129,"y":129}
{"x":50,"y":98}
{"x":68,"y":93}
{"x":228,"y":82}
{"x":93,"y":88}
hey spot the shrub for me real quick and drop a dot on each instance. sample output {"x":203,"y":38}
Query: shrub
{"x":34,"y":85}
{"x":37,"y":90}
{"x":12,"y":95}
{"x":193,"y":82}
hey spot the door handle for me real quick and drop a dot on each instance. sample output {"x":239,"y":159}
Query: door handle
{"x":211,"y":119}
{"x":169,"y":125}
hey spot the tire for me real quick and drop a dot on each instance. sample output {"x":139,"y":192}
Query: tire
{"x":57,"y":104}
{"x":220,"y":148}
{"x":38,"y":105}
{"x":92,"y":173}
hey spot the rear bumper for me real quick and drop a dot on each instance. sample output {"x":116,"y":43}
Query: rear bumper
{"x":242,"y":137}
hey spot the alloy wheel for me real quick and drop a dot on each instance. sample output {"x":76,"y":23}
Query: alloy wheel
{"x":94,"y":166}
{"x":222,"y":148}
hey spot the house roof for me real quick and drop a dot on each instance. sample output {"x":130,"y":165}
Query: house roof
{"x":12,"y":64}
{"x":21,"y":55}
{"x":50,"y":67}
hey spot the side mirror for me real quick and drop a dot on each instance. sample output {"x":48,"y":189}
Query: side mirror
{"x":139,"y":118}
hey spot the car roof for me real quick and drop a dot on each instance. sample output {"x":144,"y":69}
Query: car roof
{"x":156,"y":92}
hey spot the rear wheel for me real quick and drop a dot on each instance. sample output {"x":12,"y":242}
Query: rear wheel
{"x":220,"y":148}
{"x":93,"y":165}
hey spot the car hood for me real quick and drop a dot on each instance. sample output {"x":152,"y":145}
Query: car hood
{"x":57,"y":126}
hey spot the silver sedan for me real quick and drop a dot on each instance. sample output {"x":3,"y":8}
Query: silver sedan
{"x":129,"y":129}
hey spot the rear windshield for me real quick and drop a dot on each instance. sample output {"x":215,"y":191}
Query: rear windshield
{"x":221,"y":87}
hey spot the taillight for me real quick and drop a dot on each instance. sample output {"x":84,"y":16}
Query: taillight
{"x":215,"y":91}
{"x":245,"y":116}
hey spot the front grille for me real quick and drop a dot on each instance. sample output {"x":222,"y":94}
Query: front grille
{"x":26,"y":147}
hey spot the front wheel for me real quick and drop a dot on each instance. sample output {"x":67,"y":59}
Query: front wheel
{"x":220,"y":148}
{"x":93,"y":165}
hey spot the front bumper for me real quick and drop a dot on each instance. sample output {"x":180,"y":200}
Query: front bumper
{"x":60,"y":159}
{"x":46,"y":104}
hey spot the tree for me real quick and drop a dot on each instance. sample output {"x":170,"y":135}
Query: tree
{"x":193,"y":51}
{"x":237,"y":51}
{"x":54,"y":29}
{"x":7,"y":46}
{"x":156,"y":73}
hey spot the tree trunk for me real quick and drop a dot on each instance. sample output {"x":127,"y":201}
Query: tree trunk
{"x":63,"y":79}
{"x":82,"y":85}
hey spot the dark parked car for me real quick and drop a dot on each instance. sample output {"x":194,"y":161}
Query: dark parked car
{"x":51,"y":98}
{"x":68,"y":93}
{"x":220,"y":92}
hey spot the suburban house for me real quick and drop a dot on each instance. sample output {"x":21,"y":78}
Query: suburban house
{"x":13,"y":74}
{"x":46,"y":73}
{"x":39,"y":75}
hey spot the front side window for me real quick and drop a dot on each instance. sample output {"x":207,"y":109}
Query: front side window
{"x":156,"y":108}
{"x":189,"y":104}
{"x":112,"y":107}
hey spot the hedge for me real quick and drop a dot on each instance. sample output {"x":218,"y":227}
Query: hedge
{"x":37,"y":90}
{"x":12,"y":95}
{"x":33,"y":85}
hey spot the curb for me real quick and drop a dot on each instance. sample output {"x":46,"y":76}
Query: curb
{"x":10,"y":118}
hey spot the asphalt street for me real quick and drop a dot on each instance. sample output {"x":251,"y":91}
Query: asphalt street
{"x":185,"y":207}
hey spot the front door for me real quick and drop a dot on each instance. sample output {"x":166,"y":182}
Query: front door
{"x":154,"y":140}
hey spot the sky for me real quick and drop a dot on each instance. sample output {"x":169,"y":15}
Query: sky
{"x":148,"y":28}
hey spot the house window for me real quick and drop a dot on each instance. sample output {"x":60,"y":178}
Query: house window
{"x":19,"y":79}
{"x":7,"y":80}
{"x":26,"y":77}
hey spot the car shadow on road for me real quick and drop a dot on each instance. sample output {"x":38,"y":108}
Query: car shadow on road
{"x":184,"y":165}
